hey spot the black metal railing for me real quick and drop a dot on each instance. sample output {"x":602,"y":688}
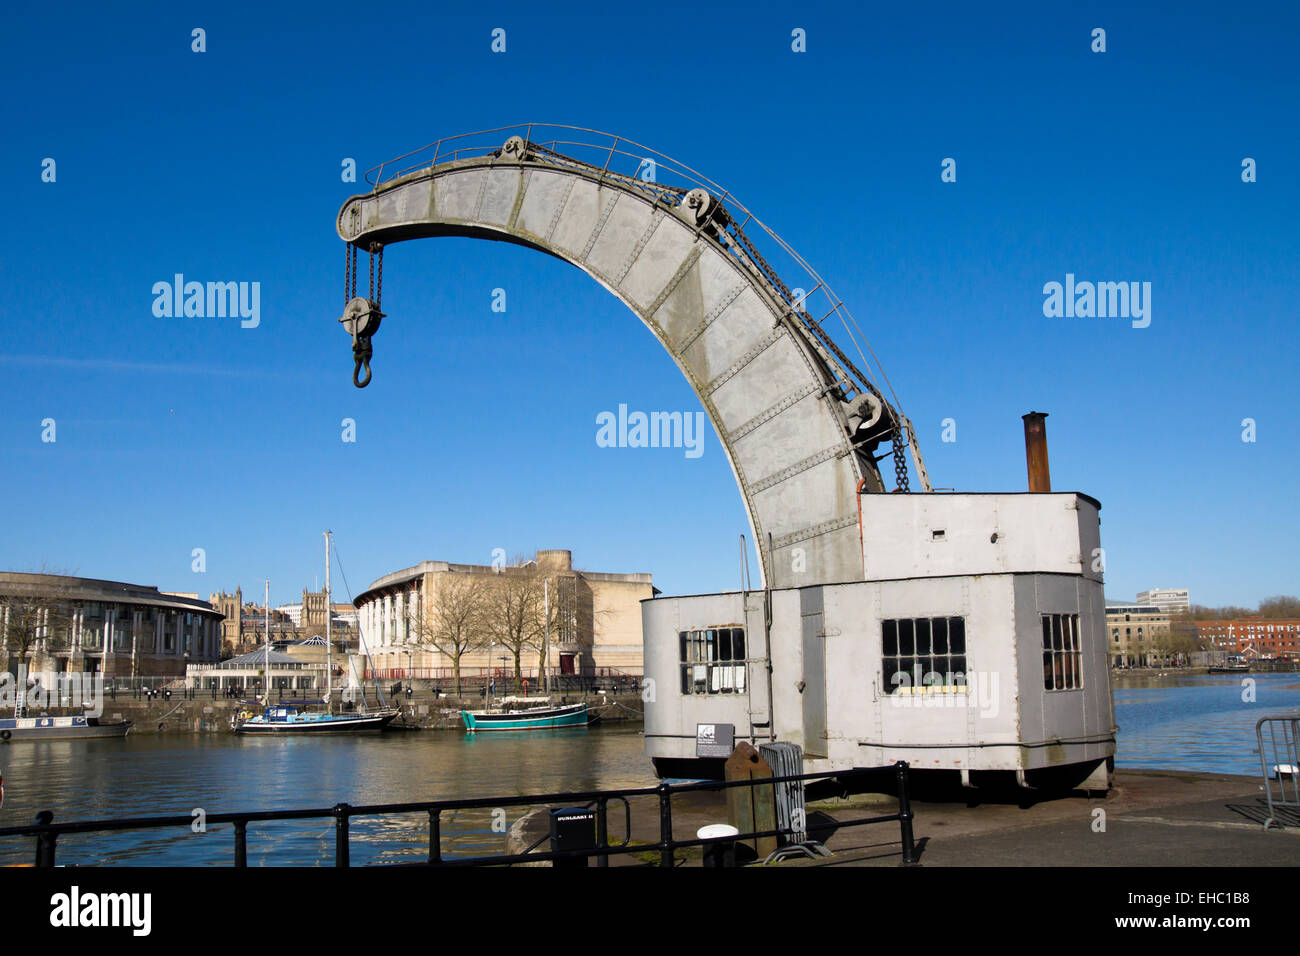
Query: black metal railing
{"x":47,"y":832}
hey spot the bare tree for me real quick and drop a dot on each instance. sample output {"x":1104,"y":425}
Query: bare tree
{"x":456,"y":623}
{"x":527,"y":601}
{"x":514,"y":616}
{"x":36,"y":616}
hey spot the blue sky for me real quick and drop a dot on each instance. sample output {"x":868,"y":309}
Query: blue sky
{"x":479,"y":429}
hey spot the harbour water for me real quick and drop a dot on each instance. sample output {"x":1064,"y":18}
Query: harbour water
{"x":156,"y":775}
{"x":1198,"y":722}
{"x":1181,"y":723}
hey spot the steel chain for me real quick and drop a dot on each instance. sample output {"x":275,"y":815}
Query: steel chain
{"x":900,"y":465}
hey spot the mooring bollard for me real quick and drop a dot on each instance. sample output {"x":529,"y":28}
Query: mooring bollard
{"x":723,"y":852}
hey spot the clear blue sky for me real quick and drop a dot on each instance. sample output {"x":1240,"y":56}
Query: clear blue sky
{"x":479,"y":430}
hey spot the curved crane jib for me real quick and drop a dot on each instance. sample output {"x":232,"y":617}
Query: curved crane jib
{"x":799,"y":421}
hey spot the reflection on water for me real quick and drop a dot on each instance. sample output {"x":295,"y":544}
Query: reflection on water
{"x":148,"y":775}
{"x":1198,"y":723}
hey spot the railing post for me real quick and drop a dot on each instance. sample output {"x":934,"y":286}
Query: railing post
{"x":46,"y":840}
{"x":665,"y":826}
{"x":341,"y":855}
{"x":435,"y":836}
{"x":602,"y":830}
{"x":241,"y":843}
{"x":905,"y":814}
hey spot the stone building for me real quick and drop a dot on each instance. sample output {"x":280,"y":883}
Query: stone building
{"x":51,"y":622}
{"x":596,"y":619}
{"x":228,"y":606}
{"x":1136,"y":635}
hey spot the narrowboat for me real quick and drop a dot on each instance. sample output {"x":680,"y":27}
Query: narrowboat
{"x":60,"y":728}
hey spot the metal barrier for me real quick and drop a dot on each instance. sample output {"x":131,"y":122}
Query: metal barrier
{"x":47,"y":832}
{"x":1283,"y":736}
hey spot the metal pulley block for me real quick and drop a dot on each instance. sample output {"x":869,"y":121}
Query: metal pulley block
{"x":361,"y":317}
{"x":514,"y":148}
{"x":696,"y":205}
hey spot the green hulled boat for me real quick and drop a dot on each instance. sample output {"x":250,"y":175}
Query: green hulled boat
{"x":543,"y":718}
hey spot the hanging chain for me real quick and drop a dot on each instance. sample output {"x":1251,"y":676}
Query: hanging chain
{"x":347,"y":274}
{"x":362,"y":350}
{"x":900,"y":464}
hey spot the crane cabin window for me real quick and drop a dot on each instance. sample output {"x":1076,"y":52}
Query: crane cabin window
{"x":923,"y":655}
{"x":1062,"y":657}
{"x":713,"y":660}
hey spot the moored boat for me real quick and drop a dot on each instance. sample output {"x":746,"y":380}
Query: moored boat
{"x":290,"y":718}
{"x":60,"y":728}
{"x":538,"y":718}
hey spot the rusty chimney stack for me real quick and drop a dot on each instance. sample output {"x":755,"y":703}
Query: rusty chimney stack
{"x":1040,"y":476}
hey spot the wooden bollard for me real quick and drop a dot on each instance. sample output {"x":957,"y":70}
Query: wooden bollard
{"x":751,"y":809}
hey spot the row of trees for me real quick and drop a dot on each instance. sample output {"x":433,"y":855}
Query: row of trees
{"x":1273,"y":608}
{"x":515,"y":610}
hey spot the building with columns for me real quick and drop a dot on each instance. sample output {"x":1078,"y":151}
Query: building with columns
{"x":51,"y":622}
{"x":596,"y":618}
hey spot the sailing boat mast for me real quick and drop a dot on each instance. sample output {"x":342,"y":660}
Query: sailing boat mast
{"x":546,"y":639}
{"x":266,"y":689}
{"x":329,"y":643}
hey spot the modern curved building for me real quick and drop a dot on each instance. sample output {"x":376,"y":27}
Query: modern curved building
{"x":61,"y":623}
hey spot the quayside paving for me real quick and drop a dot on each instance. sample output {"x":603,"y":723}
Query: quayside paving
{"x":1151,"y":818}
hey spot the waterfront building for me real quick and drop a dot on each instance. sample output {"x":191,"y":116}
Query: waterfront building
{"x":1254,"y":638}
{"x":1137,"y":635}
{"x":63,"y":623}
{"x":596,"y":618}
{"x":244,"y":675}
{"x":1170,"y":600}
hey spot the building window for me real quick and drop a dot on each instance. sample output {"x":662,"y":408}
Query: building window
{"x":1062,"y":659}
{"x":713,"y":661}
{"x":917,"y":653}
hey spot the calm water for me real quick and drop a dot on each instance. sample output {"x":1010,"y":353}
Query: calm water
{"x":150,"y":775}
{"x":1197,"y":723}
{"x":1183,"y":723}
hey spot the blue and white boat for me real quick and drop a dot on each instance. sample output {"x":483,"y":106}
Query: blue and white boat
{"x":290,"y":718}
{"x":544,"y":718}
{"x":60,"y":728}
